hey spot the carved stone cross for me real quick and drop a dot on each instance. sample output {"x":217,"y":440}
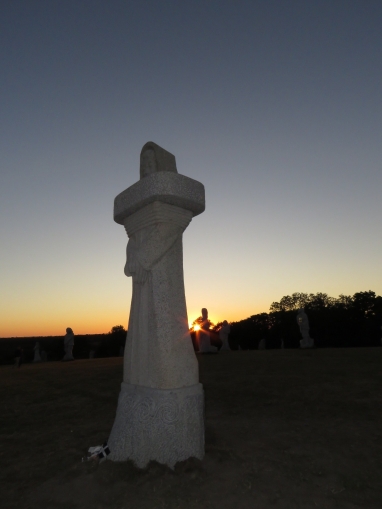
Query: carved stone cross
{"x":160,"y":407}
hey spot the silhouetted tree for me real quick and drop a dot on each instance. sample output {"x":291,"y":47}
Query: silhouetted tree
{"x":116,"y":340}
{"x":118,"y":329}
{"x":199,"y":321}
{"x":342,"y":321}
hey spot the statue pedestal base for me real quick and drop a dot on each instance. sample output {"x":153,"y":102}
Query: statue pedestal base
{"x":307,"y":343}
{"x":165,"y":425}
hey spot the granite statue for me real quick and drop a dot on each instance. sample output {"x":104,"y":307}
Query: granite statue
{"x":37,"y":355}
{"x":223,"y":335}
{"x":68,"y":345}
{"x":303,"y":323}
{"x":161,"y":404}
{"x":204,"y":338}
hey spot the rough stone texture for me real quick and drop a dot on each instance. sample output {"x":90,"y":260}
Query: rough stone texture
{"x":159,"y":351}
{"x":167,"y":187}
{"x":155,"y":159}
{"x":161,"y":425}
{"x":161,"y":376}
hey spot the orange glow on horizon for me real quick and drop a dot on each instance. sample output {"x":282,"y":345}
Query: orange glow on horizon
{"x":48,"y":319}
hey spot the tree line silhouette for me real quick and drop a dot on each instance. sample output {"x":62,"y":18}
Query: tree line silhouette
{"x":103,"y":345}
{"x":346,"y":321}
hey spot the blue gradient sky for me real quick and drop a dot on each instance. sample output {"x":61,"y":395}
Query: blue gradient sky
{"x":275,"y":106}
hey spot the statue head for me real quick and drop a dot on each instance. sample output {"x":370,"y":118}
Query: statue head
{"x":155,"y":158}
{"x":148,"y":163}
{"x":204,"y":314}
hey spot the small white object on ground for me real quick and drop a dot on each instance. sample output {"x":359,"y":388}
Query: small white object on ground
{"x":99,"y":452}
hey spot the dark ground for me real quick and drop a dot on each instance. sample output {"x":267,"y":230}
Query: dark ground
{"x":284,"y":429}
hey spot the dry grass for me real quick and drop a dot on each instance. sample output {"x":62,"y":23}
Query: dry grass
{"x":286,"y":429}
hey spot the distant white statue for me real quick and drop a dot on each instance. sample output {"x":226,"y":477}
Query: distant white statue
{"x":223,"y":335}
{"x":303,"y":323}
{"x":204,"y":335}
{"x":68,"y":345}
{"x":282,"y":345}
{"x":262,"y":344}
{"x":37,"y":355}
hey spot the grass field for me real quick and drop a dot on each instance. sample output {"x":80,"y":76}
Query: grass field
{"x":284,"y":429}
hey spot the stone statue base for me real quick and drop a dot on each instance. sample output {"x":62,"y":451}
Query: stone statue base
{"x":307,"y":343}
{"x":165,"y":425}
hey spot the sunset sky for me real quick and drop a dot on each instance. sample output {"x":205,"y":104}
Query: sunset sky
{"x":275,"y":106}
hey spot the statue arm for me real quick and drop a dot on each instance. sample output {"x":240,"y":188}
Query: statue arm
{"x":158,"y":243}
{"x":141,"y":259}
{"x":132,"y":266}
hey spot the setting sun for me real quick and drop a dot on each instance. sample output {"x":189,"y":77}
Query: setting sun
{"x":196,"y":327}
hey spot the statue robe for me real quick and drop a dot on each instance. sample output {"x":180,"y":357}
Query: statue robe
{"x":158,"y":335}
